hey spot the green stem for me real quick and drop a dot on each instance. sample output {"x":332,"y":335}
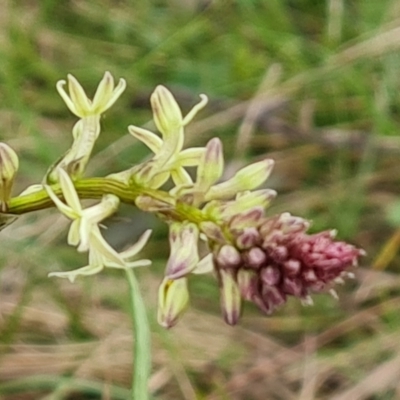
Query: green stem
{"x":95,"y":188}
{"x":142,"y":341}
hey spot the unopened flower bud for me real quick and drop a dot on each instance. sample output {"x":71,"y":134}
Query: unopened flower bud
{"x":212,"y":231}
{"x":183,"y":239}
{"x":231,"y":301}
{"x":228,"y":257}
{"x":255,"y":258}
{"x":167,"y":114}
{"x":248,"y":239}
{"x":8,"y":168}
{"x":291,"y":224}
{"x":292,"y":268}
{"x":247,"y":219}
{"x":246,"y":201}
{"x":248,"y":178}
{"x":211,"y":166}
{"x":270,"y":275}
{"x":173,"y":298}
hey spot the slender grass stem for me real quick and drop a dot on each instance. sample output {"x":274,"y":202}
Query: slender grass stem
{"x":142,"y":342}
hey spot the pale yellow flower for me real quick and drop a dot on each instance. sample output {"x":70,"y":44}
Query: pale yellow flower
{"x":78,"y":102}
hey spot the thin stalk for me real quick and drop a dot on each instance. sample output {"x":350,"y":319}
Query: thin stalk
{"x":95,"y":188}
{"x":142,"y":341}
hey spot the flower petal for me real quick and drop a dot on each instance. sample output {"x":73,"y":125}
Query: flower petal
{"x":103,"y":92}
{"x":71,"y":275}
{"x":181,"y":177}
{"x":98,"y":243}
{"x":195,"y":109}
{"x":150,"y":139}
{"x":78,"y":97}
{"x":69,"y":192}
{"x":190,"y":157}
{"x":73,"y":233}
{"x":205,"y":265}
{"x":66,"y":210}
{"x":131,"y":264}
{"x":115,"y":94}
{"x":60,"y":88}
{"x":137,"y":247}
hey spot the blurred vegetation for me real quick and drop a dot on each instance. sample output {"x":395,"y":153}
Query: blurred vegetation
{"x":313,"y":85}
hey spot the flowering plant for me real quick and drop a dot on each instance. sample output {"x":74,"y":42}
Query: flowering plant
{"x":255,"y":257}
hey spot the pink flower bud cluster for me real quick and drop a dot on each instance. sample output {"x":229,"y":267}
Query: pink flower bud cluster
{"x":276,"y":258}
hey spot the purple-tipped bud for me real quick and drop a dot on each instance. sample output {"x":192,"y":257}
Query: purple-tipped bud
{"x":211,"y":166}
{"x":167,"y":114}
{"x":8,"y":168}
{"x":248,"y":239}
{"x":228,"y":257}
{"x":183,"y":239}
{"x":291,"y":224}
{"x":173,"y":298}
{"x":255,"y":258}
{"x":270,"y":275}
{"x":231,"y":301}
{"x":246,"y":201}
{"x":247,"y":219}
{"x":292,"y":268}
{"x":212,"y":231}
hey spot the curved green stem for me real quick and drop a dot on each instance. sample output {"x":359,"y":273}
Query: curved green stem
{"x":95,"y":188}
{"x":142,"y":341}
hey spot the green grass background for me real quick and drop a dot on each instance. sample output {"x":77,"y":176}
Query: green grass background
{"x":313,"y":85}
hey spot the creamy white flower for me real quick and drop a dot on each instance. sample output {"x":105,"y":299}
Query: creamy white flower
{"x":78,"y":102}
{"x":102,"y":255}
{"x":85,"y":231}
{"x":83,"y":220}
{"x":169,"y":159}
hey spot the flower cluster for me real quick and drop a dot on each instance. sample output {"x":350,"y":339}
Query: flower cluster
{"x":254,"y":257}
{"x":85,"y":231}
{"x":214,"y":226}
{"x":276,"y":258}
{"x":87,"y":129}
